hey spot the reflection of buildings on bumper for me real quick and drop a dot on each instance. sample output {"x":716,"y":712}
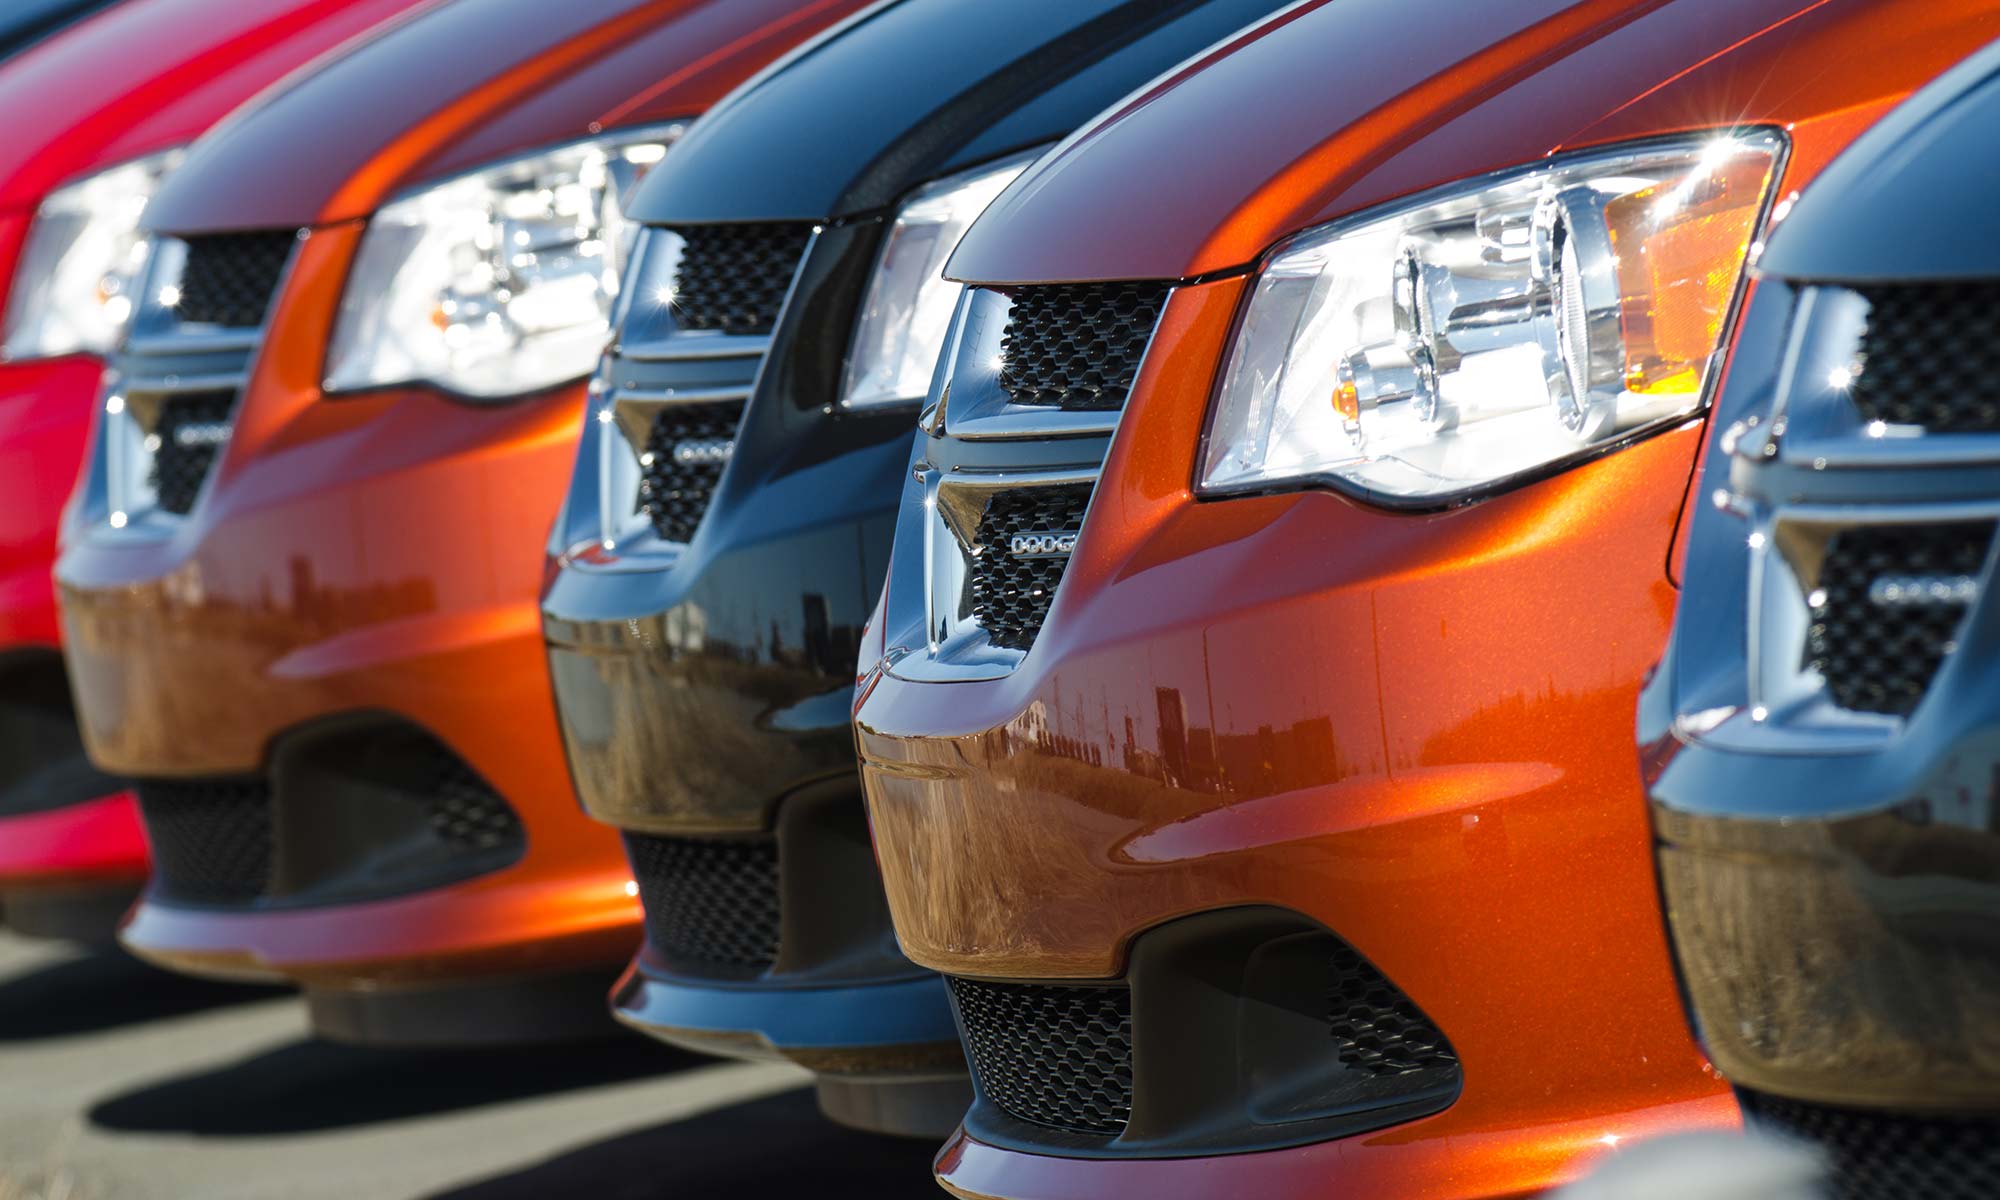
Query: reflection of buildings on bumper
{"x":1199,"y":759}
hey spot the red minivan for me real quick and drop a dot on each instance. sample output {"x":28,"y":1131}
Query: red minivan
{"x":91,"y":118}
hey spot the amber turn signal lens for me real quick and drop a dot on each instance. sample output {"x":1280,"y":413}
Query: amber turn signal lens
{"x":1680,"y":251}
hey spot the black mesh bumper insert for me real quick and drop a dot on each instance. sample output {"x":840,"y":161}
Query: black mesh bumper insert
{"x":1931,"y":357}
{"x":1077,"y":346}
{"x":1889,"y":1156}
{"x":1052,"y":1055}
{"x":685,"y":455}
{"x":1010,"y":592}
{"x":466,"y":813}
{"x":1879,"y":629}
{"x":1378,"y":1029}
{"x":230,"y":278}
{"x":733,"y":278}
{"x":709,"y":900}
{"x":211,"y":838}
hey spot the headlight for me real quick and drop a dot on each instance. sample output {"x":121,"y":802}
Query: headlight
{"x":1459,"y":342}
{"x":909,"y":302}
{"x":73,"y":286}
{"x":497,"y":283}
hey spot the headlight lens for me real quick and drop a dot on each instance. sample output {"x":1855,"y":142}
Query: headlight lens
{"x":909,"y":302}
{"x":497,"y":283}
{"x":1438,"y":351}
{"x":73,"y":287}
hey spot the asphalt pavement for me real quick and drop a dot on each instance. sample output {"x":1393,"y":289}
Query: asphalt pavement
{"x":120,"y":1082}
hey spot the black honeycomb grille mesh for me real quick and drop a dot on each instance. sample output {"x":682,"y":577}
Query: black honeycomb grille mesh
{"x":1051,"y":1055}
{"x":709,"y":900}
{"x":1376,"y":1028}
{"x":1931,"y":357}
{"x":681,"y":466}
{"x":466,"y":813}
{"x":1879,"y":657}
{"x":733,"y":278}
{"x":211,"y":838}
{"x":1889,"y":1156}
{"x":230,"y":277}
{"x":1011,"y":594}
{"x":192,"y":429}
{"x":1077,"y":346}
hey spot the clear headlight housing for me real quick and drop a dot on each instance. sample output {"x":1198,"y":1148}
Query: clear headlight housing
{"x":909,"y":303}
{"x":499,"y":282}
{"x":74,"y":284}
{"x":1491,"y":333}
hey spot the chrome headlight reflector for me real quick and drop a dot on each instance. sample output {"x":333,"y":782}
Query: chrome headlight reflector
{"x":73,"y":286}
{"x":496,"y":283}
{"x":1494,"y":331}
{"x":909,"y":304}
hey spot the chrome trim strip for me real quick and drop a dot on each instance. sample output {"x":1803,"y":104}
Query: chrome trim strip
{"x":174,"y":385}
{"x":664,"y":396}
{"x":174,"y":344}
{"x":1029,"y":421}
{"x":683,"y":347}
{"x":1896,"y":449}
{"x":962,"y":497}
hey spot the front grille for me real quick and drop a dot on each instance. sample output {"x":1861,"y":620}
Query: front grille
{"x":1077,"y":346}
{"x":1051,"y":1055}
{"x":1376,"y":1028}
{"x":709,"y":900}
{"x":733,"y":278}
{"x":1889,"y":1156}
{"x":192,"y":429}
{"x":1931,"y":357}
{"x":466,"y":813}
{"x":1011,"y":593}
{"x":685,"y":454}
{"x":230,"y":278}
{"x":211,"y":838}
{"x":1878,"y":633}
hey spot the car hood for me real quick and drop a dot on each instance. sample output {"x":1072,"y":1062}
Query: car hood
{"x":1338,"y":105}
{"x":463,"y":84}
{"x":146,"y":75}
{"x":917,"y":89}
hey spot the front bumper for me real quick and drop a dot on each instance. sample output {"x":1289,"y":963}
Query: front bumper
{"x":708,"y":705}
{"x":705,"y":692}
{"x":351,"y":561}
{"x":1404,"y":730}
{"x":1837,"y":919}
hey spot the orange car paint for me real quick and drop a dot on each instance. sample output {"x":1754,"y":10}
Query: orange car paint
{"x":1413,"y":728}
{"x":383,"y":552}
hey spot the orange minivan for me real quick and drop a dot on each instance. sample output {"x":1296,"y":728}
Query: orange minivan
{"x":1246,"y":725}
{"x":299,"y":578}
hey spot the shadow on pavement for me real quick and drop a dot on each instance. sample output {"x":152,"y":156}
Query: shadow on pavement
{"x":312,"y":1085}
{"x":103,"y":989}
{"x":772,"y":1147}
